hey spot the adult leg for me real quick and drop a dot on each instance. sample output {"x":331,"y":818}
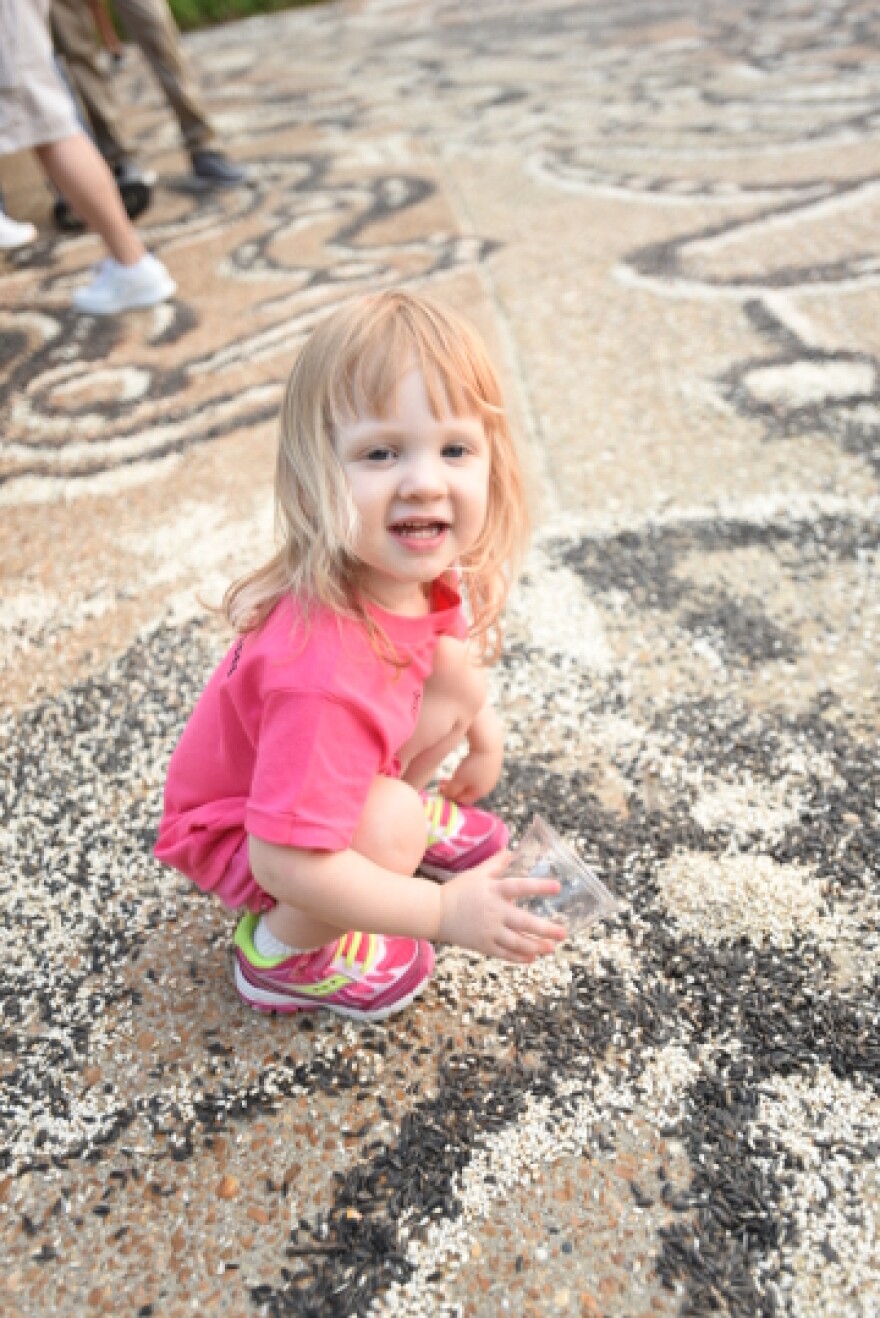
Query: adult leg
{"x":78,"y":171}
{"x":150,"y":25}
{"x":76,"y":39}
{"x":89,"y":82}
{"x":132,"y":278}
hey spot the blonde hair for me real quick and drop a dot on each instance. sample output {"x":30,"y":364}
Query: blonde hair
{"x":350,"y":366}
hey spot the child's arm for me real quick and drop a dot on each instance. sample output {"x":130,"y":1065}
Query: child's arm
{"x":475,"y":910}
{"x":480,"y":769}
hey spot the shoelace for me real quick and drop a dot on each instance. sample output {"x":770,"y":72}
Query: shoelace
{"x":442,"y":818}
{"x":349,"y":947}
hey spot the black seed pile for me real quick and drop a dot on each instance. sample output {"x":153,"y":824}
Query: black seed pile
{"x":645,"y":566}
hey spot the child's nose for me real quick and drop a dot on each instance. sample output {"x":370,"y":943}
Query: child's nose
{"x":423,"y":477}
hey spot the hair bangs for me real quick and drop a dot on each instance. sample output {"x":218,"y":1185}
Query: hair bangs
{"x":364,"y":382}
{"x":397,"y":336}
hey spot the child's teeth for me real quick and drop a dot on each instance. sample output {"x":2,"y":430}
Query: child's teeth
{"x":420,"y":530}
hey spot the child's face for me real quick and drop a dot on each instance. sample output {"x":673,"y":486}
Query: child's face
{"x":420,"y":484}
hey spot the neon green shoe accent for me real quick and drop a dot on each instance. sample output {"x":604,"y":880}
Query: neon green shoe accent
{"x":354,"y":947}
{"x":244,"y":939}
{"x":443,"y":819}
{"x":324,"y":988}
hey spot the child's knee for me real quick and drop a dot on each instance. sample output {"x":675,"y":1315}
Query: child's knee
{"x":392,"y":830}
{"x":454,"y":675}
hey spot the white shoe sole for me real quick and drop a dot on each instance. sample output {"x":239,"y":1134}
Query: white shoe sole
{"x":150,"y":297}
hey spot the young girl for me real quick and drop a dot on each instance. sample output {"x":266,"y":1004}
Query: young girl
{"x":298,"y":788}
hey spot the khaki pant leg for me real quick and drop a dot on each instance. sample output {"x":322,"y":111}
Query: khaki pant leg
{"x":76,"y":39}
{"x":150,"y":25}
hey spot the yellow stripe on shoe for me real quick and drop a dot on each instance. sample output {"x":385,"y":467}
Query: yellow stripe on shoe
{"x":443,"y":818}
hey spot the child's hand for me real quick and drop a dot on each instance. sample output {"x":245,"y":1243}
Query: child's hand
{"x":479,"y":912}
{"x":480,"y":769}
{"x":474,"y":778}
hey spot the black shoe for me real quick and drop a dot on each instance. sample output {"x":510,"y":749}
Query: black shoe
{"x":215,"y":169}
{"x":135,"y":188}
{"x":65,"y":219}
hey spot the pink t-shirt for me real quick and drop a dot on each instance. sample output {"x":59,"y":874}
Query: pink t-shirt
{"x":287,"y":738}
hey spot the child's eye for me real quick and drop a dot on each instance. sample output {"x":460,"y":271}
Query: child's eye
{"x":379,"y":454}
{"x":455,"y":450}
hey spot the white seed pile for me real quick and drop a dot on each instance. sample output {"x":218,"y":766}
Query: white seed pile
{"x":820,"y":1125}
{"x":720,"y":898}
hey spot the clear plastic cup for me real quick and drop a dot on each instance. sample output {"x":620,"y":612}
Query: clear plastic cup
{"x":582,"y":898}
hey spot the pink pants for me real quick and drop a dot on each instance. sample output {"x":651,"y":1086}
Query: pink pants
{"x":238,"y":888}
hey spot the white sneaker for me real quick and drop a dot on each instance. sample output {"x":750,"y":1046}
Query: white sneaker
{"x":118,"y":287}
{"x":14,"y":234}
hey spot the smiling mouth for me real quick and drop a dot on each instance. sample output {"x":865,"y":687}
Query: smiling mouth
{"x":419,"y":530}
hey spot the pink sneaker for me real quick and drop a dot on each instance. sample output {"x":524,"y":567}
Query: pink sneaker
{"x":459,"y":837}
{"x":361,"y":975}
